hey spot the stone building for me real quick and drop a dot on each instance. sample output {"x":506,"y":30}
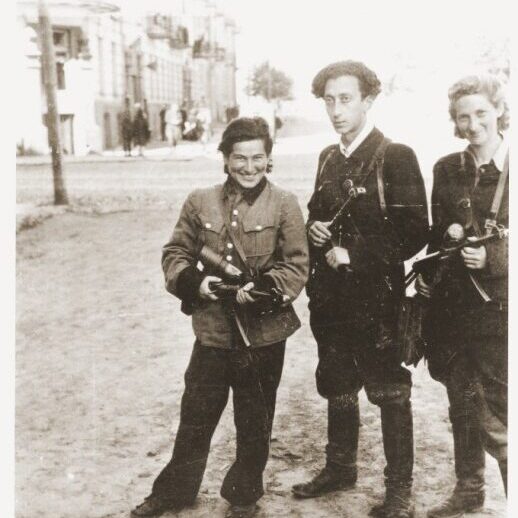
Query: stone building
{"x":105,"y":55}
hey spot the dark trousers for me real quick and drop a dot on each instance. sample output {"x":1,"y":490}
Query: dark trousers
{"x":126,"y":143}
{"x":348,"y":361}
{"x":254,"y":375}
{"x":467,"y":441}
{"x":476,"y":382}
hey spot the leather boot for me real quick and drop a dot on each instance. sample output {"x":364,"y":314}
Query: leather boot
{"x":398,"y":443}
{"x":153,"y":507}
{"x":328,"y":480}
{"x":343,"y":423}
{"x":468,"y":451}
{"x":468,"y":494}
{"x":457,"y":504}
{"x":397,"y":504}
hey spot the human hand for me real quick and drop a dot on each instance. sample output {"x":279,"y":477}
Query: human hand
{"x":205,"y":292}
{"x":422,"y":288}
{"x":242,"y":295}
{"x":319,"y":234}
{"x":338,"y":256}
{"x":474,"y":258}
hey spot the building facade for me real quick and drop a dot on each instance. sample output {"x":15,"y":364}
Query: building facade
{"x":105,"y":56}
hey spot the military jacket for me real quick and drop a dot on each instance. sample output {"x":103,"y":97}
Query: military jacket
{"x":377,"y":242}
{"x":272,"y":234}
{"x":463,"y":195}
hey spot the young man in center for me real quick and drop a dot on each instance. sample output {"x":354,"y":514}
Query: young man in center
{"x":356,"y":283}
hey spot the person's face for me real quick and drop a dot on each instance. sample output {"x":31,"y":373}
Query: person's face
{"x":247,"y":162}
{"x":477,"y":119}
{"x":345,"y":106}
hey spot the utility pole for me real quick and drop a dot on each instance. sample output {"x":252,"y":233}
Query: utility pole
{"x":50,"y":80}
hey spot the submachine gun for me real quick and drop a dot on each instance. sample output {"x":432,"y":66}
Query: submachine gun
{"x":333,"y":226}
{"x":234,"y":279}
{"x":454,"y":241}
{"x":433,"y":267}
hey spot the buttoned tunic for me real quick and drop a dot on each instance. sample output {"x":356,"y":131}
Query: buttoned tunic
{"x":272,"y":235}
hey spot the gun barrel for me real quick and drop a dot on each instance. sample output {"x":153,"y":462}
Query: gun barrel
{"x":233,"y":288}
{"x":208,"y":256}
{"x":445,"y":253}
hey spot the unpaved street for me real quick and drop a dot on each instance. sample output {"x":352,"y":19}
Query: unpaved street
{"x":101,"y":350}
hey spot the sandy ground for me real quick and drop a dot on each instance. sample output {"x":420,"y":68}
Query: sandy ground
{"x":101,"y":350}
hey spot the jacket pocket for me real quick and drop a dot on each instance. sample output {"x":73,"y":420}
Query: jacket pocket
{"x":212,"y":232}
{"x":259,"y":236}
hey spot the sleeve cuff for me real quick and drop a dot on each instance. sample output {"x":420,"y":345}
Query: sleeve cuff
{"x":188,"y":284}
{"x":264,"y":283}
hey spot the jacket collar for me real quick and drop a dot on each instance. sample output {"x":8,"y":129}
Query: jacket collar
{"x":351,"y":148}
{"x":498,"y":158}
{"x":231,"y":187}
{"x":363,"y":153}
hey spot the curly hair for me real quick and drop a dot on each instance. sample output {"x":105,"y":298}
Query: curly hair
{"x":244,"y":129}
{"x":484,"y":84}
{"x":369,"y":82}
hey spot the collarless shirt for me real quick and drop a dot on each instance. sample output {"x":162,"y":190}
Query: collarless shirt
{"x":347,"y":151}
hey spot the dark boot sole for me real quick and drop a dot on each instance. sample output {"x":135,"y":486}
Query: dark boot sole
{"x":471,"y":510}
{"x":301,"y":495}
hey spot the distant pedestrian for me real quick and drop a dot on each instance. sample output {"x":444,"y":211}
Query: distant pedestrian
{"x":163,"y":124}
{"x":205,"y":120}
{"x":126,"y":129}
{"x":173,"y":120}
{"x":140,"y":129}
{"x":183,"y":112}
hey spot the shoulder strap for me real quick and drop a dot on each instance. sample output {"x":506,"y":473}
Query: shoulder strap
{"x":378,"y":162}
{"x":233,"y":237}
{"x":499,"y":194}
{"x":320,"y":171}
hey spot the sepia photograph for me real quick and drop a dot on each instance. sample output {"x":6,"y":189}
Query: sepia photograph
{"x":261,"y":258}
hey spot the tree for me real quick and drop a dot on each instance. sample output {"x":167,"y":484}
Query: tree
{"x":270,"y":83}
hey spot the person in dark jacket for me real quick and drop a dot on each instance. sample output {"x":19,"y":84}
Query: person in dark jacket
{"x":466,"y":328}
{"x":126,"y":128}
{"x":140,"y":128}
{"x":163,"y":123}
{"x":258,"y":228}
{"x":356,"y":283}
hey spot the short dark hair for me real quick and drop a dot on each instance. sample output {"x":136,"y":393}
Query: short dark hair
{"x":244,"y":129}
{"x":369,"y":82}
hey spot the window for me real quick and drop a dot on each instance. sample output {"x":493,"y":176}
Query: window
{"x":100,"y":58}
{"x":115,"y":71}
{"x":60,"y":75}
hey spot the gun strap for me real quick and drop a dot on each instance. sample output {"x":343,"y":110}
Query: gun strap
{"x":233,"y":237}
{"x":499,"y":194}
{"x":491,"y":222}
{"x":379,"y":160}
{"x":324,"y":162}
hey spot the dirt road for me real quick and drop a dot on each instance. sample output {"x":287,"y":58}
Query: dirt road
{"x":102,"y":348}
{"x":101,"y":351}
